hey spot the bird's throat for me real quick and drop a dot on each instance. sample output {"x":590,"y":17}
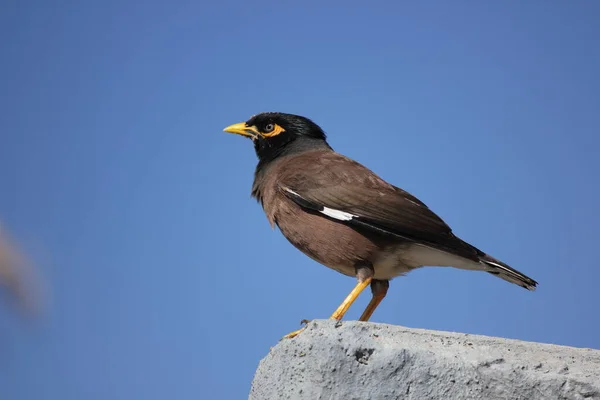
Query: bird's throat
{"x":268,"y":151}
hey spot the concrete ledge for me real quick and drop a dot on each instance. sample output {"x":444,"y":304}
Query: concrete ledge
{"x":355,"y":360}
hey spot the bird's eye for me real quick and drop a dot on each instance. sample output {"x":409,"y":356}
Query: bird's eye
{"x":269,"y":128}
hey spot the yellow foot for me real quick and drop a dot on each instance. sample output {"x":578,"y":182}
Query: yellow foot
{"x":296,"y":333}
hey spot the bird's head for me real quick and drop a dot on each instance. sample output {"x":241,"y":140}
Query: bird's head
{"x":275,"y":134}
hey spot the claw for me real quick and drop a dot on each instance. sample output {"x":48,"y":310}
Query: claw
{"x":294,"y":334}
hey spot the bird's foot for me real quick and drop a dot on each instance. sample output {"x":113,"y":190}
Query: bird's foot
{"x":293,"y":334}
{"x":297,"y":332}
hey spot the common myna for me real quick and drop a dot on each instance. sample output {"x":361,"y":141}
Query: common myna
{"x":344,"y":216}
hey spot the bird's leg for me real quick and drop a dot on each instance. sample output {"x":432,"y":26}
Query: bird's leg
{"x":341,"y":310}
{"x":364,"y":276}
{"x":379,"y":289}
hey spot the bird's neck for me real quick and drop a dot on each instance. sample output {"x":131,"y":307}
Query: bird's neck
{"x":268,"y":151}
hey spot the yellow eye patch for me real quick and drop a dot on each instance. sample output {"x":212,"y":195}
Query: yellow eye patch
{"x":276,"y":131}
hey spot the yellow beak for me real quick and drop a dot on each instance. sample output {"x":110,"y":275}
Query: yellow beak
{"x":242,"y":129}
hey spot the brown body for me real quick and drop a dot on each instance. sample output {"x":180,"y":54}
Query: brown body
{"x":329,"y":241}
{"x":326,"y":241}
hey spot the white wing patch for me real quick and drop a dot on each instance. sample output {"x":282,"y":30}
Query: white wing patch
{"x":337,"y":214}
{"x":287,"y":189}
{"x":330,"y":212}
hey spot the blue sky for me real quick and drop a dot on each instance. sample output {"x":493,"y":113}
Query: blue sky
{"x":166,"y":279}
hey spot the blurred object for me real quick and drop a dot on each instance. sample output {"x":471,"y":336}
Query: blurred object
{"x":18,"y":277}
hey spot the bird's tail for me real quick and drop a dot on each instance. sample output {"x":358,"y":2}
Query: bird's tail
{"x":501,"y":270}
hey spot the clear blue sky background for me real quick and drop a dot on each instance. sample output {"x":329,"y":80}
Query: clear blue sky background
{"x":167,"y":281}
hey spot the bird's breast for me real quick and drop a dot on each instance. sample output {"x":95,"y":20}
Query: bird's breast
{"x":326,"y":241}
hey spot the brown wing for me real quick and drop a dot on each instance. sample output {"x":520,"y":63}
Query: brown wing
{"x":343,"y":189}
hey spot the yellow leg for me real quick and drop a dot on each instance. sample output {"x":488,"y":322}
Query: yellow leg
{"x":380,"y":290}
{"x":341,"y":310}
{"x":371,"y":307}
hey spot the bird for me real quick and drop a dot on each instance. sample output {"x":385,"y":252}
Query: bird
{"x":344,"y":216}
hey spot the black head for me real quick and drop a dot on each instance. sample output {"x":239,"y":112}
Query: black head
{"x":275,"y":134}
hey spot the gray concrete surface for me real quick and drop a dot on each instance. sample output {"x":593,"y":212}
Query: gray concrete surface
{"x":355,"y":360}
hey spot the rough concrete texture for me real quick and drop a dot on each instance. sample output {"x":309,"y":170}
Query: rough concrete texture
{"x":356,"y":360}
